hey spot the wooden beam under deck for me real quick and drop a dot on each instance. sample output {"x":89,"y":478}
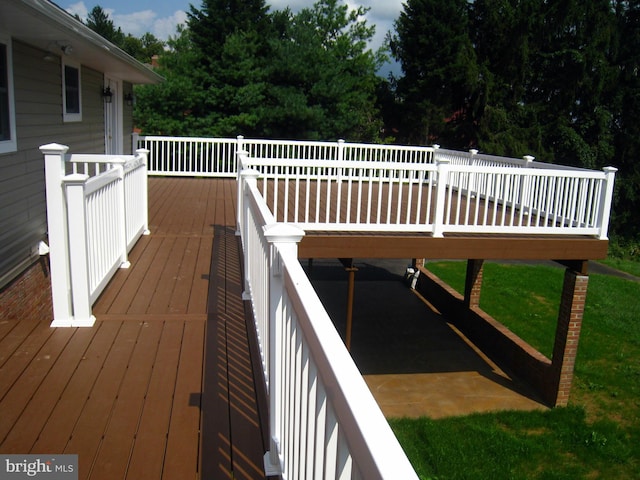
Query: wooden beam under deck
{"x":498,"y":247}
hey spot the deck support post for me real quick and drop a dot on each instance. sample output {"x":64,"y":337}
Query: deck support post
{"x":350,"y":295}
{"x":473,"y":283}
{"x":574,"y":295}
{"x":283,"y":241}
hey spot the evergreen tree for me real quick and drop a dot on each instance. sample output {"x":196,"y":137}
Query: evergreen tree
{"x":279,"y":75}
{"x":143,"y":48}
{"x":217,"y":20}
{"x":323,"y":75}
{"x":627,"y":121}
{"x":170,"y":107}
{"x":441,"y":75}
{"x":99,"y":22}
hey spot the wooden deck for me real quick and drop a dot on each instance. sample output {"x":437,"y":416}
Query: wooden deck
{"x":162,"y":386}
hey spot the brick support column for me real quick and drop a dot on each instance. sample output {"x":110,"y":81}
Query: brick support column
{"x":574,"y":295}
{"x":473,"y":283}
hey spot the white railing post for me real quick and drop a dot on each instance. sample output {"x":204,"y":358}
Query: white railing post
{"x":122,"y":216}
{"x":524,"y":199}
{"x":79,"y":266}
{"x":247,"y":177}
{"x":340,"y":150}
{"x":240,"y":143}
{"x":441,"y":189}
{"x":144,"y":154}
{"x":54,"y":162}
{"x":283,"y":240}
{"x":240,"y":155}
{"x":606,"y":200}
{"x":471,"y":184}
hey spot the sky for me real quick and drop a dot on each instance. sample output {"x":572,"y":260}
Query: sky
{"x":160,"y":17}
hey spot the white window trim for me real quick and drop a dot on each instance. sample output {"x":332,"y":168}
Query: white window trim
{"x":71,"y":117}
{"x":7,"y":146}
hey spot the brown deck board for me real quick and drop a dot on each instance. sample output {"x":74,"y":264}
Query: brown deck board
{"x":234,"y":439}
{"x":30,"y":379}
{"x":91,"y":425}
{"x":181,"y":460}
{"x":14,"y":338}
{"x":57,"y":431}
{"x":36,"y":413}
{"x":200,"y":280}
{"x":147,"y":456}
{"x":146,"y":290}
{"x":115,"y":447}
{"x":161,"y":298}
{"x":19,"y":353}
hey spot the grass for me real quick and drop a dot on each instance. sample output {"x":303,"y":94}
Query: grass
{"x":597,"y":436}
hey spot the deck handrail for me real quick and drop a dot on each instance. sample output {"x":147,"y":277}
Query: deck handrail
{"x":569,"y":201}
{"x":216,"y":157}
{"x":435,"y":198}
{"x":95,"y":215}
{"x":323,"y":420}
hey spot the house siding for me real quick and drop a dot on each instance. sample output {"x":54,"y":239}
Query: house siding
{"x":38,"y":103}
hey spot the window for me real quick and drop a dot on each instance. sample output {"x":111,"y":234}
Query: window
{"x":7,"y":114}
{"x":71,"y":93}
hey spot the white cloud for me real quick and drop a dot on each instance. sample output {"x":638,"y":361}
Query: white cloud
{"x":163,"y":28}
{"x":137,"y":23}
{"x":382,"y":13}
{"x":78,"y":9}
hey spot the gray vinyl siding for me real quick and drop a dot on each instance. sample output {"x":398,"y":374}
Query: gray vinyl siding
{"x":38,"y":102}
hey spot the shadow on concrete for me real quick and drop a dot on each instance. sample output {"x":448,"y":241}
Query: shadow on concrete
{"x":409,"y":355}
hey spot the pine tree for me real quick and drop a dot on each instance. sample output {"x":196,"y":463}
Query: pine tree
{"x":441,"y":75}
{"x":99,"y":22}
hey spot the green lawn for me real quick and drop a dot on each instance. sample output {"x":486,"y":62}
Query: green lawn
{"x":597,"y":436}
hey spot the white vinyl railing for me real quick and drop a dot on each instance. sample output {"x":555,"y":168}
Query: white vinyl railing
{"x":436,"y":198}
{"x":95,"y":215}
{"x":324,"y":422}
{"x":396,"y":188}
{"x":216,"y":157}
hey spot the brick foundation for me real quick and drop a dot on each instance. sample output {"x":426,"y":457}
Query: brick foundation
{"x":473,"y":283}
{"x":574,"y":296}
{"x":29,"y":295}
{"x":551,"y":379}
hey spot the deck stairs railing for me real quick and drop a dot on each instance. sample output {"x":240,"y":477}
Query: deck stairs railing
{"x":96,"y":211}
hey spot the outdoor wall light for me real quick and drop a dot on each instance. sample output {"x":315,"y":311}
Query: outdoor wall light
{"x":107,"y":95}
{"x":129,"y":99}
